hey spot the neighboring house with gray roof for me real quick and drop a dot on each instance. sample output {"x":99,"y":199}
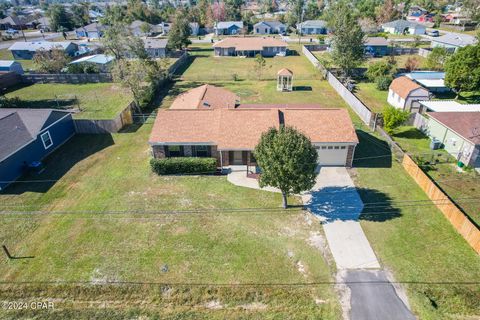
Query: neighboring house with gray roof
{"x":91,"y":31}
{"x":228,"y":27}
{"x":453,"y":41}
{"x":26,"y":50}
{"x":27,"y":136}
{"x":144,"y":29}
{"x":312,"y":27}
{"x":269,"y":27}
{"x":403,"y":27}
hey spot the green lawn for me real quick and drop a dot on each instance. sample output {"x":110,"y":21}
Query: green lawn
{"x":400,"y":60}
{"x":373,"y":98}
{"x":95,"y":100}
{"x":205,"y":67}
{"x":442,"y":168}
{"x":259,"y":244}
{"x":413,"y":239}
{"x":26,"y":64}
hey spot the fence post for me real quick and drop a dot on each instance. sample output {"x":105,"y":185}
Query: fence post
{"x":9,"y":256}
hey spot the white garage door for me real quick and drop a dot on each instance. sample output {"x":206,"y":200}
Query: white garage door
{"x":332,"y":155}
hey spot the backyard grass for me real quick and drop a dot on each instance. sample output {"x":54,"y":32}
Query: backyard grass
{"x":374,"y":99}
{"x":440,"y":271}
{"x":95,"y":100}
{"x":235,"y":236}
{"x":205,"y":67}
{"x":442,"y":169}
{"x":401,"y":60}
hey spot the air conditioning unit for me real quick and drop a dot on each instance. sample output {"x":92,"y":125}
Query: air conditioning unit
{"x":435,"y":144}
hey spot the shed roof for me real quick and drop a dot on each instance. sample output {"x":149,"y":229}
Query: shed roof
{"x":376,"y":41}
{"x":449,"y":106}
{"x":206,"y":97}
{"x":37,"y":45}
{"x":96,"y":58}
{"x":7,"y":63}
{"x":403,"y":86}
{"x":285,"y":72}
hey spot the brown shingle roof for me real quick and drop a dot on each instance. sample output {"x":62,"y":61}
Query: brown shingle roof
{"x":240,"y":129}
{"x":206,"y":97}
{"x":250,"y":43}
{"x":466,"y":124}
{"x":403,"y":86}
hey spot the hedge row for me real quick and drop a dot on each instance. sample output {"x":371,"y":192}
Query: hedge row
{"x":184,"y":165}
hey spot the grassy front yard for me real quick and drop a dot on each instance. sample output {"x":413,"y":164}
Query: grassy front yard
{"x":238,"y":236}
{"x":413,"y":239}
{"x":206,"y":67}
{"x":458,"y":185}
{"x":95,"y":100}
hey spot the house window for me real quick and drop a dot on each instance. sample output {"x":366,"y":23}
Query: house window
{"x":324,"y":147}
{"x":201,"y":151}
{"x":343,"y":147}
{"x":330,"y":147}
{"x":174,"y":151}
{"x":337,"y":147}
{"x":46,"y":139}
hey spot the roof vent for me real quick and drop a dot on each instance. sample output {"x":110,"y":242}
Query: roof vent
{"x":206,"y":104}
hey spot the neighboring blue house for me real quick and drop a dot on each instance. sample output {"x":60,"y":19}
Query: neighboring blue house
{"x":29,"y":135}
{"x":26,"y":50}
{"x":312,"y":27}
{"x":91,"y":31}
{"x":376,"y":46}
{"x":228,"y":27}
{"x":269,"y":27}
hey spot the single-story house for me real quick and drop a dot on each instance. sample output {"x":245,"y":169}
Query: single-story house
{"x":91,"y":31}
{"x":250,"y":46}
{"x":269,"y":27}
{"x":403,"y":27}
{"x":453,"y":41}
{"x":156,"y":48}
{"x":228,"y":27}
{"x":312,"y":27}
{"x":433,"y":81}
{"x":43,"y":23}
{"x":230,"y":133}
{"x":10,"y":66}
{"x":26,"y":50}
{"x":376,"y":46}
{"x":459,"y":132}
{"x":102,"y":61}
{"x":405,"y":94}
{"x":137,"y":28}
{"x":29,"y":135}
{"x":195,"y":28}
{"x":13,"y":22}
{"x":448,"y":106}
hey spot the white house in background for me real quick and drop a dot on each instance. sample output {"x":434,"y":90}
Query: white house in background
{"x":433,"y":81}
{"x":269,"y":27}
{"x":405,"y":94}
{"x":448,"y":106}
{"x":195,"y":28}
{"x":312,"y":27}
{"x":228,"y":27}
{"x":10,"y":66}
{"x":453,"y":41}
{"x":403,"y":27}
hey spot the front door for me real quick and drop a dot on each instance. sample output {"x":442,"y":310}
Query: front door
{"x":237,"y":157}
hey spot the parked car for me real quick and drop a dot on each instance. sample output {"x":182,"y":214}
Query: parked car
{"x":433,"y":33}
{"x":11,"y":31}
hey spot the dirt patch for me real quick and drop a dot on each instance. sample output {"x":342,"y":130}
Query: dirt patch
{"x":254,"y":306}
{"x":214,"y":305}
{"x":301,"y":268}
{"x":344,"y":294}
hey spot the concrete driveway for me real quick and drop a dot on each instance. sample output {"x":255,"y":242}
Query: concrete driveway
{"x":336,"y":201}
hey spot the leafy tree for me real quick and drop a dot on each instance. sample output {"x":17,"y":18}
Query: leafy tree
{"x":436,"y":59}
{"x":462,"y":70}
{"x":380,"y":69}
{"x":393,"y":118}
{"x":383,"y":82}
{"x":80,"y":15}
{"x":82,"y":68}
{"x":50,"y":61}
{"x":296,"y":13}
{"x":59,"y":17}
{"x":472,"y":8}
{"x":233,"y":9}
{"x":260,"y":64}
{"x":146,"y":28}
{"x":387,"y":12}
{"x":115,"y":40}
{"x":347,"y":39}
{"x":180,"y":31}
{"x":114,"y":15}
{"x":288,"y":161}
{"x":312,"y":10}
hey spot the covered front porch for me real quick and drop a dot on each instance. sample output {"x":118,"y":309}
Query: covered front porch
{"x":238,"y":160}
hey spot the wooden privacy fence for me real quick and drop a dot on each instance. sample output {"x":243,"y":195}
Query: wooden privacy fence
{"x":457,"y":218}
{"x":105,"y":126}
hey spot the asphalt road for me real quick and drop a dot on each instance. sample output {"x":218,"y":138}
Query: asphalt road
{"x":373,"y":297}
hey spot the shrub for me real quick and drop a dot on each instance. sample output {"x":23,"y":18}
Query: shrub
{"x":383,"y":83}
{"x":393,"y":117}
{"x":183,"y":165}
{"x":380,"y":69}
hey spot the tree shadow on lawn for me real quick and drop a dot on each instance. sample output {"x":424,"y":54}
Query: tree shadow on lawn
{"x":351,"y":204}
{"x":57,"y":164}
{"x":372,"y":152}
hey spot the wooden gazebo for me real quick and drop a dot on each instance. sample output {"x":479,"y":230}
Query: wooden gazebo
{"x":284,"y":80}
